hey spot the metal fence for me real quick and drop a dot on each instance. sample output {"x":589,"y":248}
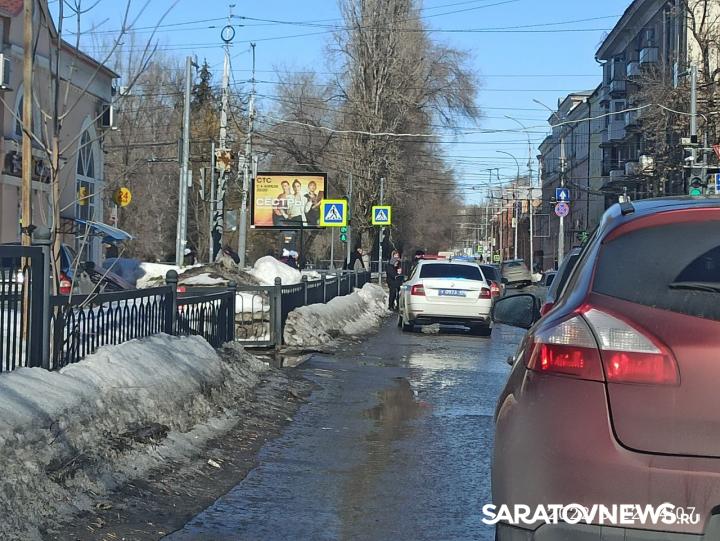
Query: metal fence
{"x":22,"y":294}
{"x":52,"y":331}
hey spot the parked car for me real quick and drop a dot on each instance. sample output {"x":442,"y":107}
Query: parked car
{"x":492,"y":273}
{"x":515,"y":271}
{"x":560,"y":279}
{"x":613,"y":395}
{"x":446,"y":292}
{"x":547,"y":278}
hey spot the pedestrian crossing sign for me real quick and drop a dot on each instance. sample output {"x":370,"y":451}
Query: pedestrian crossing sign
{"x":382,"y":215}
{"x":333,"y":213}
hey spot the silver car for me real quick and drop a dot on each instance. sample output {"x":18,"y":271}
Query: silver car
{"x":515,"y":272}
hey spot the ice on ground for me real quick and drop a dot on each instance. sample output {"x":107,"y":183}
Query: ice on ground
{"x":431,"y":329}
{"x":64,"y":435}
{"x":267,"y":268}
{"x":353,"y":314}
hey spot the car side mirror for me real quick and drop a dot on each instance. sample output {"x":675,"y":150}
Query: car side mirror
{"x":517,"y":311}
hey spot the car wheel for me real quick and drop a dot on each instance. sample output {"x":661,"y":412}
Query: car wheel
{"x":481,"y":330}
{"x":406,"y":327}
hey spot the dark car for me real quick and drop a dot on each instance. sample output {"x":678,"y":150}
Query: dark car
{"x":559,"y":280}
{"x":492,"y":273}
{"x":613,"y":394}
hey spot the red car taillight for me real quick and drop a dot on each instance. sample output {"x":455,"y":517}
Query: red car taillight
{"x":485,"y":293}
{"x":418,"y":289}
{"x":494,"y":289}
{"x":65,"y":285}
{"x":545,"y":308}
{"x":599,"y":347}
{"x":629,"y":355}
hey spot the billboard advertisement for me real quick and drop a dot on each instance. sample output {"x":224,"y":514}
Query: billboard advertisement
{"x":287,"y":200}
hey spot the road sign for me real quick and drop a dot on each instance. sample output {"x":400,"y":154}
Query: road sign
{"x":122,"y":197}
{"x":496,"y":258}
{"x":562,"y":194}
{"x":333,"y":213}
{"x":717,"y":183}
{"x":382,"y":215}
{"x":562,"y":209}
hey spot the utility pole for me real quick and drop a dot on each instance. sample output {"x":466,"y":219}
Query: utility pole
{"x":561,"y":228}
{"x":211,"y":247}
{"x":222,"y":153}
{"x":27,"y":123}
{"x":242,"y":226}
{"x":181,"y":239}
{"x":348,"y":247}
{"x":382,"y":232}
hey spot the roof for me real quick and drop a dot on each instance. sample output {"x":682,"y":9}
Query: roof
{"x":636,"y":8}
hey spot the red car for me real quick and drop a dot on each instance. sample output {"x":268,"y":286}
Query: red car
{"x":614,"y":395}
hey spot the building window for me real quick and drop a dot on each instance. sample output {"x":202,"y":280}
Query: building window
{"x":85,"y":195}
{"x":19,"y":112}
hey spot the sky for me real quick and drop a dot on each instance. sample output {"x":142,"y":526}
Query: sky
{"x":527,"y":50}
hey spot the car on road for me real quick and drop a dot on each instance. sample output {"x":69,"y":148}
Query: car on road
{"x":446,"y":292}
{"x":516,"y":272}
{"x":492,"y":273}
{"x":613,"y":395}
{"x":560,"y":279}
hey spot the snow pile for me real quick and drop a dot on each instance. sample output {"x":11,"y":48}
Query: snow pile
{"x":154,"y":274}
{"x":67,"y":434}
{"x":267,"y":268}
{"x":349,"y":315}
{"x":250,"y":303}
{"x":204,"y":279}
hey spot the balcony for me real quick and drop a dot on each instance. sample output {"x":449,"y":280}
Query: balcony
{"x":631,"y":118}
{"x":649,"y":55}
{"x":618,"y":87}
{"x":633,"y":70}
{"x":617,"y":175}
{"x":616,"y":130}
{"x":632,"y":169}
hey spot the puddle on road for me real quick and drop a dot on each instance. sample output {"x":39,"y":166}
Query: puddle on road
{"x":397,"y":405}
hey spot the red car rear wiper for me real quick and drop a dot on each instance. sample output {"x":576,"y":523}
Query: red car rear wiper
{"x":710,"y":287}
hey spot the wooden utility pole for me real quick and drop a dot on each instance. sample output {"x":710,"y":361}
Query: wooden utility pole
{"x":27,"y":123}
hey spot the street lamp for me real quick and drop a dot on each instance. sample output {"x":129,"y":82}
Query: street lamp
{"x":530,"y":192}
{"x":515,"y":212}
{"x":561,"y":227}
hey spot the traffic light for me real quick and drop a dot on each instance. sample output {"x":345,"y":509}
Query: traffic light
{"x":697,"y":186}
{"x":343,"y":234}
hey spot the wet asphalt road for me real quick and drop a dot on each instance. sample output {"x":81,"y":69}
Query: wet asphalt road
{"x":396,"y":443}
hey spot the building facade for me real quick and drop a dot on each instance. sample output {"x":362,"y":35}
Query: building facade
{"x":89,"y":90}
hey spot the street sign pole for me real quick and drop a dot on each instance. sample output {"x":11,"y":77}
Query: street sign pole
{"x":382,"y":231}
{"x":332,"y":248}
{"x":561,"y":228}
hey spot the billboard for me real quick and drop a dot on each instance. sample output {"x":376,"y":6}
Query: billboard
{"x":287,"y":200}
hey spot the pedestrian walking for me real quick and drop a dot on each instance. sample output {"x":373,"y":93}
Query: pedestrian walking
{"x":394,"y":279}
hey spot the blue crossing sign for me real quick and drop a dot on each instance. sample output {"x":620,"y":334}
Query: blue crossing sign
{"x":562,"y":194}
{"x":382,"y":215}
{"x":717,"y":183}
{"x":333,"y":213}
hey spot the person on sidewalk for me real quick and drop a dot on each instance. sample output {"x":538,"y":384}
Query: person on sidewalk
{"x":394,"y":281}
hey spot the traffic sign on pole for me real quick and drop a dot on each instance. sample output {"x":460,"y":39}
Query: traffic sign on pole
{"x":333,"y":213}
{"x":562,"y":194}
{"x":382,"y":215}
{"x":562,"y":209}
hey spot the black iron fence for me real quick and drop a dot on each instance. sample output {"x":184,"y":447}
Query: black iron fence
{"x":22,"y":294}
{"x":52,"y":331}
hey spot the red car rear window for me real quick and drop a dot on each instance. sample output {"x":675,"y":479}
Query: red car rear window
{"x":674,"y":266}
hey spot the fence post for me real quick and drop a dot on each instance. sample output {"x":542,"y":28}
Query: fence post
{"x":356,"y":279}
{"x":323,"y":277}
{"x":43,"y":238}
{"x":171,"y":279}
{"x":277,"y":313}
{"x":230,"y":333}
{"x":304,"y":281}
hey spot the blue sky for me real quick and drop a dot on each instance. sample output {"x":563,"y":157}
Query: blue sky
{"x":539,"y":62}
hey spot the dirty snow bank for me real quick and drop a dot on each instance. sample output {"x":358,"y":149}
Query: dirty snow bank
{"x":352,"y":314}
{"x":110,"y":418}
